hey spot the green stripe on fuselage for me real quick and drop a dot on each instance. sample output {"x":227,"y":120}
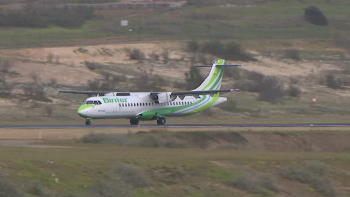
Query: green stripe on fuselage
{"x":82,"y":107}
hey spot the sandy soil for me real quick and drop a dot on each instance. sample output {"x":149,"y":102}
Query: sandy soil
{"x":68,"y":62}
{"x":67,"y":65}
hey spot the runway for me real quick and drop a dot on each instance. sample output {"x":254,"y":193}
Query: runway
{"x":171,"y":126}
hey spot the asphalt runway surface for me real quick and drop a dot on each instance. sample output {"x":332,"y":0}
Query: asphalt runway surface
{"x":170,"y":126}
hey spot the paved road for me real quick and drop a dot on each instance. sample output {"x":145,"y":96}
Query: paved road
{"x":168,"y":126}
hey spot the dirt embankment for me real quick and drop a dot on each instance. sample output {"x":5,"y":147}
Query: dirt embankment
{"x":314,"y":142}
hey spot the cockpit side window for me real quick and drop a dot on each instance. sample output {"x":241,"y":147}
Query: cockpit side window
{"x":99,"y":102}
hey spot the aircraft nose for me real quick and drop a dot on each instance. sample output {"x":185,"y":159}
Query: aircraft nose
{"x":83,"y":111}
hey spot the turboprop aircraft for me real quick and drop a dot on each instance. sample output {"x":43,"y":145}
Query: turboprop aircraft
{"x":154,"y":105}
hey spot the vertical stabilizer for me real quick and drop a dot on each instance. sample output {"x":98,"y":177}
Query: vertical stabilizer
{"x":214,"y":79}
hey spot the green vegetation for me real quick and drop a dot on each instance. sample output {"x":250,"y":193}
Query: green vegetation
{"x":268,"y":20}
{"x":101,"y":169}
{"x":42,"y":18}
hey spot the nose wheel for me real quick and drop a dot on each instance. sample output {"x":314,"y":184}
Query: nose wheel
{"x":87,"y":121}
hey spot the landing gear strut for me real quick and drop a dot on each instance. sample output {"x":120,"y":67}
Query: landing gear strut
{"x":134,"y":121}
{"x":161,"y":121}
{"x":87,"y":121}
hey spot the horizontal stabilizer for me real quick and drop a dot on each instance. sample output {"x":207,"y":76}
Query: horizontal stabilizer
{"x":203,"y":92}
{"x":216,"y":65}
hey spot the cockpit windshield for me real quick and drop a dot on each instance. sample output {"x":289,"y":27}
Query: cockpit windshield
{"x":91,"y":102}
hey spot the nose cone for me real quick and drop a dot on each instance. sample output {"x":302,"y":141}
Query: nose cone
{"x":84,"y":110}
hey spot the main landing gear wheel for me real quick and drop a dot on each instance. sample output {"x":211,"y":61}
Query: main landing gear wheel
{"x":134,"y":121}
{"x":87,"y":122}
{"x":161,"y":121}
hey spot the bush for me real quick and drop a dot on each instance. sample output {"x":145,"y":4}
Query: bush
{"x":42,"y":18}
{"x":314,"y":174}
{"x":154,"y":56}
{"x":131,"y":175}
{"x":120,"y":181}
{"x":92,"y":65}
{"x":315,"y":16}
{"x":230,"y":105}
{"x":134,"y":54}
{"x":166,"y":56}
{"x":294,"y":91}
{"x":5,"y":66}
{"x":271,"y":90}
{"x":333,"y":82}
{"x":109,"y":187}
{"x":259,"y":184}
{"x":230,"y":50}
{"x":36,"y":189}
{"x":192,"y":46}
{"x":8,"y":188}
{"x":104,"y":138}
{"x":292,"y":54}
{"x":146,"y":141}
{"x":155,"y":141}
{"x":193,"y":78}
{"x":48,"y":110}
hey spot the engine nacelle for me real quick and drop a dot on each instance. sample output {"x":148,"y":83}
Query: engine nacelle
{"x":162,"y":97}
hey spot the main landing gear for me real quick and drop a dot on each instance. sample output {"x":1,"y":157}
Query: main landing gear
{"x":87,"y":121}
{"x":134,"y":121}
{"x":161,"y":120}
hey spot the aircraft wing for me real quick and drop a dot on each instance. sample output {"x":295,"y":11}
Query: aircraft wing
{"x":95,"y":92}
{"x":204,"y":92}
{"x":83,"y":92}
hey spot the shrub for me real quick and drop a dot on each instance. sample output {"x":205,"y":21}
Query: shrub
{"x":120,"y":181}
{"x":165,"y":55}
{"x":314,"y":174}
{"x":42,"y":18}
{"x":292,"y":54}
{"x":230,"y":105}
{"x":109,"y":187}
{"x":92,"y":65}
{"x":154,"y":56}
{"x":8,"y":188}
{"x":36,"y":189}
{"x":155,"y":141}
{"x":104,"y":138}
{"x":131,"y":175}
{"x":48,"y":110}
{"x":50,"y":57}
{"x":333,"y":82}
{"x":146,"y":141}
{"x":271,"y":90}
{"x":193,"y":78}
{"x":294,"y":91}
{"x":259,"y":184}
{"x":134,"y":54}
{"x":315,"y":16}
{"x":192,"y":46}
{"x":5,"y":66}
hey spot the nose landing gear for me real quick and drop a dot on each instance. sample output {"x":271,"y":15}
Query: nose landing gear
{"x":87,"y":121}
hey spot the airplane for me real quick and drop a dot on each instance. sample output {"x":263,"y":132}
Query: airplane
{"x":158,"y":106}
